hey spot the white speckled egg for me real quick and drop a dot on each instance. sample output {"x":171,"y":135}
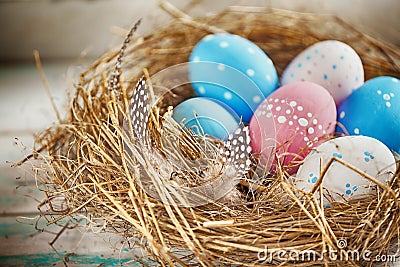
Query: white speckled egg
{"x":331,"y":64}
{"x":241,"y":74}
{"x":340,"y":183}
{"x":374,"y":110}
{"x":205,"y":116}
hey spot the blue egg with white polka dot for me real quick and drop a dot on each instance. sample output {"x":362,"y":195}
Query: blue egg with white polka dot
{"x":204,"y":116}
{"x":233,"y":70}
{"x":373,"y":110}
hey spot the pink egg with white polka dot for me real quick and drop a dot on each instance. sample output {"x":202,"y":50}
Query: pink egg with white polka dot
{"x":304,"y":115}
{"x":331,"y":64}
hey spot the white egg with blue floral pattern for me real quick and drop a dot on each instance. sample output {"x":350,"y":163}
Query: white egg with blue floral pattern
{"x":332,"y":64}
{"x":241,"y":74}
{"x":340,"y":183}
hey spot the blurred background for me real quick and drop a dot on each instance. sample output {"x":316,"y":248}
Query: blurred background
{"x":62,"y":29}
{"x":70,"y":34}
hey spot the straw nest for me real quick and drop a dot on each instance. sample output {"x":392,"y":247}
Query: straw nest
{"x":84,"y":169}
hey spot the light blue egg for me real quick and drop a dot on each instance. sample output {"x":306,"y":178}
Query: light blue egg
{"x":374,"y":110}
{"x":205,"y":116}
{"x":238,"y":72}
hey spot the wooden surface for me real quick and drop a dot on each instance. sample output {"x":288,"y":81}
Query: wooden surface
{"x":26,"y":110}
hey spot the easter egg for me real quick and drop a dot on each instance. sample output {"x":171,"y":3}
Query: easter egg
{"x":332,"y":64}
{"x":302,"y":114}
{"x":206,"y":117}
{"x":366,"y":154}
{"x":233,"y":70}
{"x":374,"y":110}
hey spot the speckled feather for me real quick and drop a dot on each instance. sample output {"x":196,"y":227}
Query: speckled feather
{"x":113,"y":83}
{"x":236,"y":149}
{"x":140,"y":111}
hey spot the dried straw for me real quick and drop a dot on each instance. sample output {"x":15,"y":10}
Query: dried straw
{"x":84,"y":170}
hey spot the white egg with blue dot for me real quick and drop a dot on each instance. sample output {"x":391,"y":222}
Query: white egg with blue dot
{"x":204,"y":116}
{"x":233,"y":70}
{"x":373,"y":110}
{"x":332,"y":64}
{"x":341,"y":183}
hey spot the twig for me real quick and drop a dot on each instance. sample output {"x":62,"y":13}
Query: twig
{"x":65,"y":227}
{"x":186,"y":19}
{"x":45,"y":83}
